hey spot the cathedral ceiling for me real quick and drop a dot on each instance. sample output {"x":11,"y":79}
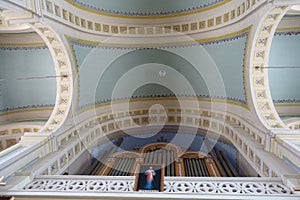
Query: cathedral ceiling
{"x":93,"y":60}
{"x":201,"y":64}
{"x":99,"y":68}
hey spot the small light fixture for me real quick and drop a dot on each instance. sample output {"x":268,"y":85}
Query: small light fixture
{"x":162,"y":73}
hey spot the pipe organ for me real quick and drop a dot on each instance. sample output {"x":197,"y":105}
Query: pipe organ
{"x":224,"y":165}
{"x":122,"y":167}
{"x":195,"y":167}
{"x":99,"y":165}
{"x":175,"y":162}
{"x":161,"y":156}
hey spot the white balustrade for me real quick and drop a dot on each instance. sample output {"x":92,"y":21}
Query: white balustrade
{"x":195,"y":185}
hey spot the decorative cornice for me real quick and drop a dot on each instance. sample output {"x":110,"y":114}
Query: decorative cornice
{"x":199,"y":97}
{"x":206,"y":41}
{"x":23,"y":48}
{"x":281,"y":101}
{"x":209,"y":41}
{"x":27,"y":107}
{"x":82,"y":19}
{"x":287,"y":33}
{"x":102,"y":11}
{"x":236,"y":129}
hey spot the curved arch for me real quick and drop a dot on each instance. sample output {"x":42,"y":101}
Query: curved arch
{"x":258,"y":74}
{"x":144,"y":8}
{"x":236,"y":130}
{"x":131,"y":24}
{"x":126,"y":154}
{"x":232,"y":135}
{"x":161,"y":145}
{"x":64,"y":76}
{"x":194,"y":155}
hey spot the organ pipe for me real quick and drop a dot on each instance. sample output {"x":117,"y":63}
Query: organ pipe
{"x":190,"y":164}
{"x":228,"y":163}
{"x":219,"y":165}
{"x":223,"y":162}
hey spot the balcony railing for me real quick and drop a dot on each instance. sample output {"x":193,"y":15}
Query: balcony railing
{"x":192,"y":185}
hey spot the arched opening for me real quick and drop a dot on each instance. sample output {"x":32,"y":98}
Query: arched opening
{"x":121,"y":155}
{"x":27,"y":84}
{"x":284,"y":68}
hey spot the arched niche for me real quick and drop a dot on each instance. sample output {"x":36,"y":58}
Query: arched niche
{"x":284,"y":68}
{"x":36,"y":76}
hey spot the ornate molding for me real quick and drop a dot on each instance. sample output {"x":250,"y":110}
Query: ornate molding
{"x":64,"y":75}
{"x":240,"y":34}
{"x":258,"y":74}
{"x":118,"y":13}
{"x":11,"y":134}
{"x":235,"y":129}
{"x":247,"y":138}
{"x":86,"y":21}
{"x":294,"y":125}
{"x":212,"y":186}
{"x":22,"y":48}
{"x":64,"y":82}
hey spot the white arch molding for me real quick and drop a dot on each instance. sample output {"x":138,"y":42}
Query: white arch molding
{"x":64,"y":80}
{"x":259,"y":58}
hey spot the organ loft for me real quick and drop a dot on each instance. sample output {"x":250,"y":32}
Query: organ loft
{"x":175,"y":160}
{"x":140,"y":99}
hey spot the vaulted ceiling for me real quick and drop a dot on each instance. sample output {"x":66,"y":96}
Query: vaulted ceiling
{"x":99,"y":67}
{"x":87,"y":54}
{"x":28,"y":74}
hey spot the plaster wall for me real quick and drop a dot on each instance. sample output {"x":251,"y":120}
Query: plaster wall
{"x":81,"y":164}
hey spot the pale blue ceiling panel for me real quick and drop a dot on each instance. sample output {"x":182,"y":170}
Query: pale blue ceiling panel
{"x":197,"y":70}
{"x":23,"y":75}
{"x":285,"y":67}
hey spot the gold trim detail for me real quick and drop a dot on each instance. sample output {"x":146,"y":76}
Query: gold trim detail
{"x":149,"y":16}
{"x":63,"y":69}
{"x":111,"y":28}
{"x":258,"y":75}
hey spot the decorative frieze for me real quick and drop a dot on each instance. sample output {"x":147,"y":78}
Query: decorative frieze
{"x":186,"y":185}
